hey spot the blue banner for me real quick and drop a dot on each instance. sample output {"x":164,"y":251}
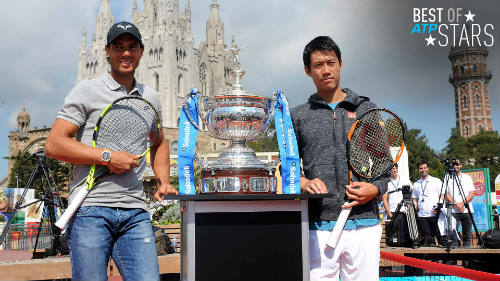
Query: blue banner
{"x":187,"y":143}
{"x":287,"y":143}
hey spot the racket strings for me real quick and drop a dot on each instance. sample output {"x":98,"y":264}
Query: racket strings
{"x":371,"y":142}
{"x":127,"y":125}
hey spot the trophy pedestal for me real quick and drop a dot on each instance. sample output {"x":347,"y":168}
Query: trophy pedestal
{"x":244,"y":237}
{"x":238,"y":181}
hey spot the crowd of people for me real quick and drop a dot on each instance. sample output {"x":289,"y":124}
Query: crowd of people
{"x":426,"y":193}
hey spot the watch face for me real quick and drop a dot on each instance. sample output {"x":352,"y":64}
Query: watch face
{"x":106,"y":156}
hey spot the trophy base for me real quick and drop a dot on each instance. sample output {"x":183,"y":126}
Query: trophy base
{"x":238,"y":181}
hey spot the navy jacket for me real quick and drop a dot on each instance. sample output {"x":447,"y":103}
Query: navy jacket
{"x":322,"y":140}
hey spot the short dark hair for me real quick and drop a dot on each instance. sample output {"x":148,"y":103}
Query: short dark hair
{"x":396,"y":165}
{"x":422,"y":163}
{"x":325,"y":43}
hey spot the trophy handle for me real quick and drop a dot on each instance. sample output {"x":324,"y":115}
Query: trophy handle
{"x":270,"y":132}
{"x":272,"y":164}
{"x":203,"y":163}
{"x":200,"y":117}
{"x":186,"y":110}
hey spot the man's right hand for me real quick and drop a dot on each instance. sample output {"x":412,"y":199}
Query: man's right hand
{"x":313,"y":186}
{"x":122,"y":162}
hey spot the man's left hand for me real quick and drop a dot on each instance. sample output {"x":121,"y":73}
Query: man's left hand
{"x":163,"y":189}
{"x":360,"y":193}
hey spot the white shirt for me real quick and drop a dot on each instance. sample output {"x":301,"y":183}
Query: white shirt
{"x":453,"y":189}
{"x":427,"y":193}
{"x":396,"y":197}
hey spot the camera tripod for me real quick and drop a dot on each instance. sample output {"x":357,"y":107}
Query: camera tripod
{"x":50,"y":198}
{"x":451,"y":179}
{"x":413,"y":224}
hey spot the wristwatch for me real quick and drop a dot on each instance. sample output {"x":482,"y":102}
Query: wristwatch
{"x":105,"y":157}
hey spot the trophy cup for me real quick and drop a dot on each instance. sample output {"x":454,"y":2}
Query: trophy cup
{"x":237,"y":116}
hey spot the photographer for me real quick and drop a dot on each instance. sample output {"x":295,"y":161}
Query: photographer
{"x":394,"y":194}
{"x":461,"y":194}
{"x":426,"y":195}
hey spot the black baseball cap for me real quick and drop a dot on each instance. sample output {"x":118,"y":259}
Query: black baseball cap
{"x":123,"y":27}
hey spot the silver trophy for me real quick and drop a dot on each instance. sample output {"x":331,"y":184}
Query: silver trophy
{"x":237,"y":116}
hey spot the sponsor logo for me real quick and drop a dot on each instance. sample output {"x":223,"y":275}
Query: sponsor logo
{"x":291,"y":147}
{"x":124,"y":27}
{"x":292,"y":179}
{"x":187,"y":176}
{"x":187,"y":131}
{"x":351,"y":114}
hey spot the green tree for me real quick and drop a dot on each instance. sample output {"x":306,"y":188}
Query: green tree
{"x":457,"y":146}
{"x":266,"y":144}
{"x":25,"y":164}
{"x":419,"y":150}
{"x":479,"y":151}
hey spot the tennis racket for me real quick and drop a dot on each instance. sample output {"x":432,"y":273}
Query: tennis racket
{"x":129,"y":124}
{"x":375,"y":143}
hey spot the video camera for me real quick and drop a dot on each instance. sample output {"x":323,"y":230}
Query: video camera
{"x":406,"y":189}
{"x":450,"y":161}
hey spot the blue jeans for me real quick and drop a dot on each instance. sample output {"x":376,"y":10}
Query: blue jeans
{"x":97,"y":233}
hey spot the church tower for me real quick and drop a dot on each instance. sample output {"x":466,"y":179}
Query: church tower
{"x":470,"y":79}
{"x":23,"y":122}
{"x":170,"y":64}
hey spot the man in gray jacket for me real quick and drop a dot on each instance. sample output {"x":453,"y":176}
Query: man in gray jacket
{"x":321,"y":126}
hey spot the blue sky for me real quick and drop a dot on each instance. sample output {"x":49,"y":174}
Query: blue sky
{"x":382,"y":59}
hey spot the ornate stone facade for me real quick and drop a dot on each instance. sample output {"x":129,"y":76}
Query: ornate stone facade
{"x":23,"y":139}
{"x":470,"y":79}
{"x":171,"y":64}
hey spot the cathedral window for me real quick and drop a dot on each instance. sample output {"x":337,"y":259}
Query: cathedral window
{"x":479,"y":127}
{"x":477,"y":101}
{"x":464,"y":101}
{"x":203,"y":78}
{"x":462,"y":70}
{"x":466,"y":131}
{"x":157,"y":82}
{"x":474,"y":68}
{"x":180,"y":90}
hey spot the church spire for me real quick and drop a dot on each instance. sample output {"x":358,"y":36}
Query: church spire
{"x":83,"y":46}
{"x":215,"y":29}
{"x":104,"y":21}
{"x":187,"y":10}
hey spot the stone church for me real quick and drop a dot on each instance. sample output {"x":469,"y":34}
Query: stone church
{"x":171,"y":63}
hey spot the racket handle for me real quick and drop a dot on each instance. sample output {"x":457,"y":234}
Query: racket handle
{"x":75,"y":204}
{"x":334,"y":238}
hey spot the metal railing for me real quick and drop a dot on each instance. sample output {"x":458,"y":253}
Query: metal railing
{"x":23,"y":237}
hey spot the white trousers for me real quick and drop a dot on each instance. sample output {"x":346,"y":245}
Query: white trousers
{"x":356,"y":256}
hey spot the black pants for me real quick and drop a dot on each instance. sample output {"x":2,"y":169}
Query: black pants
{"x":429,"y":229}
{"x":466,"y":222}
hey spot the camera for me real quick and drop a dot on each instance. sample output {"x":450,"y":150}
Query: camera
{"x":450,"y":162}
{"x":406,"y":189}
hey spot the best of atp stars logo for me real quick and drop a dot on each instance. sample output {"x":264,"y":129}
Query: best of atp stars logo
{"x":451,"y":27}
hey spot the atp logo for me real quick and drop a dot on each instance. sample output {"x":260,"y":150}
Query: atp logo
{"x":451,"y":27}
